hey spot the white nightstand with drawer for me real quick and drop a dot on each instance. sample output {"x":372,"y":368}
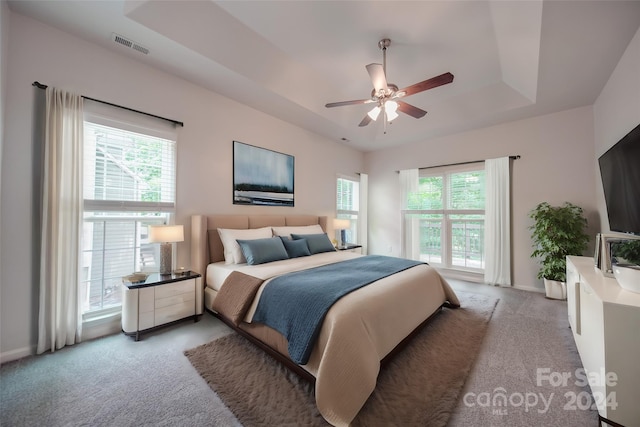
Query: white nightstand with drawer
{"x":160,"y":300}
{"x":350,"y":247}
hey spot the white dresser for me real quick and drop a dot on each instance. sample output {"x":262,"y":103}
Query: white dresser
{"x":161,"y":299}
{"x":605,"y":321}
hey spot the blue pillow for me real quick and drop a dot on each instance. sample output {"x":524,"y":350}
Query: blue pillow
{"x":317,"y":242}
{"x":260,"y":251}
{"x":295,"y":248}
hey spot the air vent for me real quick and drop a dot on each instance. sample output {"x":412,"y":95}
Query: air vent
{"x":140,"y":48}
{"x":129,"y":43}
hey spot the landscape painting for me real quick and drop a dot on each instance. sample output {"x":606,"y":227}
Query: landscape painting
{"x":261,"y":177}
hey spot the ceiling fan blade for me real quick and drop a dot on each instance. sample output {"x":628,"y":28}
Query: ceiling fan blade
{"x":440,"y":80}
{"x":410,"y":109}
{"x":379,"y":80}
{"x":365,"y":121}
{"x":356,"y":102}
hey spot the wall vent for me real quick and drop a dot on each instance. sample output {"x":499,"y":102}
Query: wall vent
{"x":129,"y":43}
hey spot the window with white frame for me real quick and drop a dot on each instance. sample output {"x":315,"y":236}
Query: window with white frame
{"x":128,"y":185}
{"x":348,"y":205}
{"x":444,"y":218}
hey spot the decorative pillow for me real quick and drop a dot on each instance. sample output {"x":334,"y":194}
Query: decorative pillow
{"x":295,"y":248}
{"x":317,"y":242}
{"x":303,"y":229}
{"x":232,"y":252}
{"x":260,"y":251}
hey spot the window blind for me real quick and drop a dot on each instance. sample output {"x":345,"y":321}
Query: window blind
{"x":127,"y":171}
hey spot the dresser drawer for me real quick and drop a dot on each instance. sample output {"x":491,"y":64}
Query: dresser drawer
{"x":146,"y":320}
{"x":174,"y":300}
{"x":172,"y":289}
{"x":147,"y":300}
{"x":174,"y":312}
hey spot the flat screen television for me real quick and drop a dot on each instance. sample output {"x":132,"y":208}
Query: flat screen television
{"x":620,"y":171}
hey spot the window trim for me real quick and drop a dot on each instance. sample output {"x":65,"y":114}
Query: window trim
{"x":349,"y":213}
{"x":446,"y":237}
{"x":127,"y":123}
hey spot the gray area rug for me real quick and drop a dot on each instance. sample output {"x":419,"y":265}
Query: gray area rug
{"x":420,"y":386}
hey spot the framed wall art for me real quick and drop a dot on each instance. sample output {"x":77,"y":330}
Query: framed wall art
{"x":262,"y":177}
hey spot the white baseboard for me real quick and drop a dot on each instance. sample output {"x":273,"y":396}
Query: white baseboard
{"x":101,"y":327}
{"x":478,"y":278}
{"x":9,"y":356}
{"x":529,"y":289}
{"x":90,"y":330}
{"x":461,"y":275}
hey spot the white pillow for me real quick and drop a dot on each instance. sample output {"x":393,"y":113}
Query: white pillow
{"x":302,"y":229}
{"x":232,"y":252}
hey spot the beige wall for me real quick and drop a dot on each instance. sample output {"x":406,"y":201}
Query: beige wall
{"x":556,"y":166}
{"x":616,"y":112}
{"x":4,"y":49}
{"x":204,"y":174}
{"x":4,"y":52}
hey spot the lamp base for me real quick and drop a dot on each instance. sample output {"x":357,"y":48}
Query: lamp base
{"x":165,"y":258}
{"x":343,"y":237}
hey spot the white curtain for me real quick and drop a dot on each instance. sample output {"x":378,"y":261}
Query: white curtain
{"x":497,"y":227}
{"x":60,"y":318}
{"x":409,"y":184}
{"x":362,"y":213}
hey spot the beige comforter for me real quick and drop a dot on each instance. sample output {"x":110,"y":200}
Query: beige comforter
{"x":358,"y":331}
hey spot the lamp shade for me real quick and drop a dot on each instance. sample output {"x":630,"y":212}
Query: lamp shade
{"x":166,"y":233}
{"x":341,"y":224}
{"x":390,"y":108}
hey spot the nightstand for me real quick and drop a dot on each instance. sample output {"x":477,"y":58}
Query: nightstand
{"x":350,"y":247}
{"x":160,"y":300}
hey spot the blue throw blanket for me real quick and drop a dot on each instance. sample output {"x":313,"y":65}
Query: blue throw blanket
{"x":295,"y":304}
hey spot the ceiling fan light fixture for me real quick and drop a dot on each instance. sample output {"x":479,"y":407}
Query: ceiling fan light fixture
{"x":391,"y":106}
{"x":374,"y":113}
{"x":391,"y":115}
{"x":390,"y":109}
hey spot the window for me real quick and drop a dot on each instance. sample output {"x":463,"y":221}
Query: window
{"x":348,"y":205}
{"x":444,"y":218}
{"x":128,"y":184}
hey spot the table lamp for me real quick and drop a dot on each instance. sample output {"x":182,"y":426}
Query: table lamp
{"x":342,"y":225}
{"x":166,"y":235}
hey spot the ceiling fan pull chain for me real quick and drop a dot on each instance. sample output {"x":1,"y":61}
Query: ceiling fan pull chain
{"x":384,"y":119}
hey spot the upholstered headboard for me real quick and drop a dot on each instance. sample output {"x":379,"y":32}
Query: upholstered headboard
{"x":206,"y":246}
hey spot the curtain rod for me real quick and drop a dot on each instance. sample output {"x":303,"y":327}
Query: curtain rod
{"x":516,"y":157}
{"x":175,"y":122}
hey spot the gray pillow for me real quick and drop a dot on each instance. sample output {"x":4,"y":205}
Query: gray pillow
{"x":295,"y":248}
{"x":317,"y":242}
{"x":260,"y":251}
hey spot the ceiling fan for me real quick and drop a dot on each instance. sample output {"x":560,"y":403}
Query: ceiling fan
{"x":387,"y":96}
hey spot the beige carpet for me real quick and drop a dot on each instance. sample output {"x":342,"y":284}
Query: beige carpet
{"x":420,"y":386}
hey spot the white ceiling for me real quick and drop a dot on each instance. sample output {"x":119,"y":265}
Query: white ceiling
{"x":510,"y":59}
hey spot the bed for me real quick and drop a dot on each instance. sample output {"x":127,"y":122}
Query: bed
{"x":359,"y":332}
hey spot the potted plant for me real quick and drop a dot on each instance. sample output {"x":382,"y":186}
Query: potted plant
{"x":557,"y":231}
